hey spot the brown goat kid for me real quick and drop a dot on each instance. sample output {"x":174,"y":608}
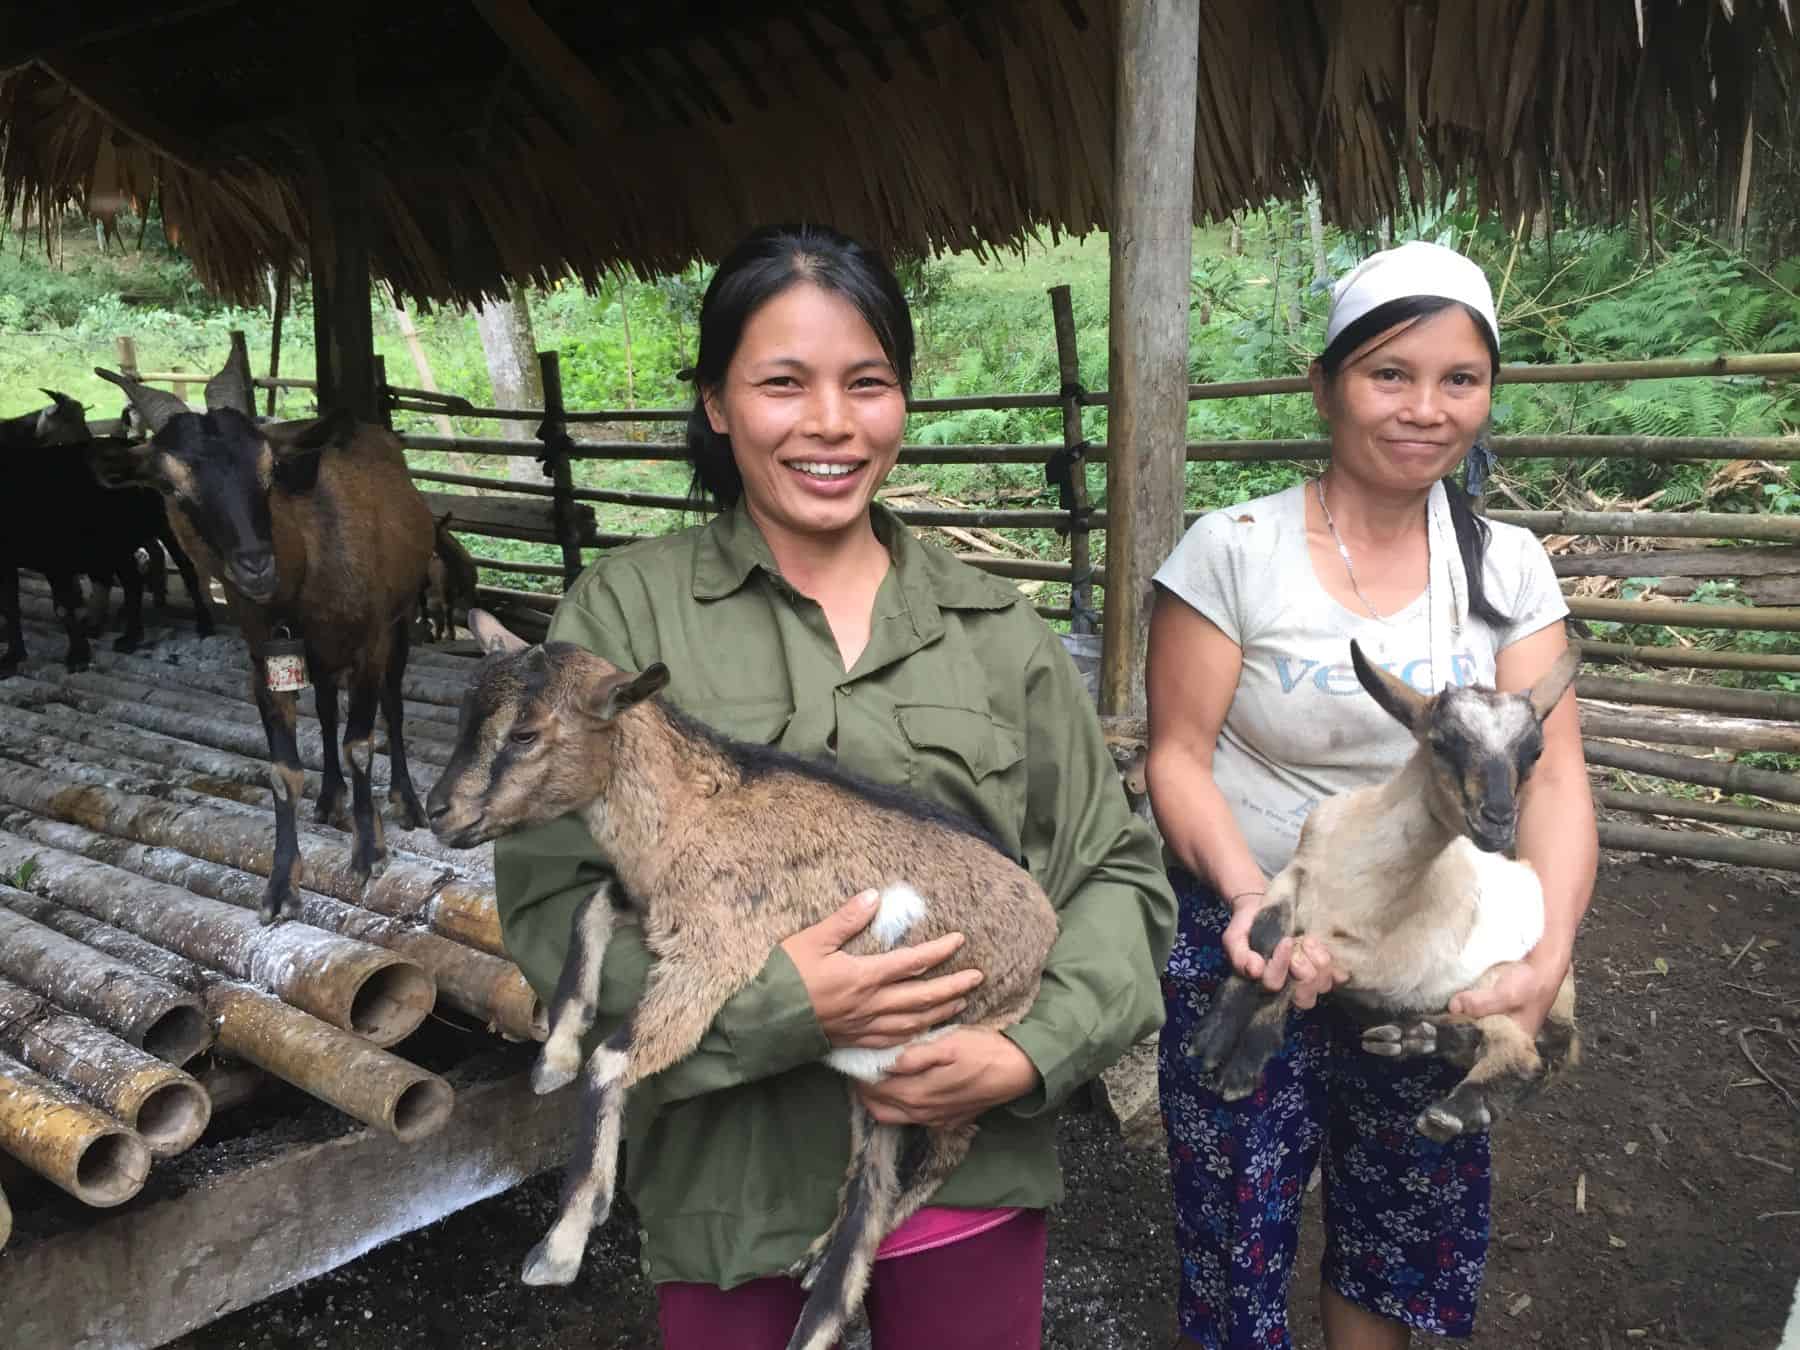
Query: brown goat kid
{"x":726,"y":850}
{"x":451,"y":579}
{"x":1408,"y":884}
{"x":316,"y":530}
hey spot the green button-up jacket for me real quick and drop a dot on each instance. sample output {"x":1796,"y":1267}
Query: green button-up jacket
{"x":735,"y":1155}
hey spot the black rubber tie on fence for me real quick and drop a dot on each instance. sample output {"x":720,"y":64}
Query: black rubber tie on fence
{"x":554,"y":434}
{"x":1074,"y":389}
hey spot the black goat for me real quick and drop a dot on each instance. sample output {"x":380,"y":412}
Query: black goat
{"x":64,"y":422}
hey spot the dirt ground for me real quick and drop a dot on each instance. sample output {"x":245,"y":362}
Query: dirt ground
{"x":1649,"y":1200}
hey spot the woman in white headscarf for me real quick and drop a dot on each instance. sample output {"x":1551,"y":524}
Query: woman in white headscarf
{"x":1255,"y":716}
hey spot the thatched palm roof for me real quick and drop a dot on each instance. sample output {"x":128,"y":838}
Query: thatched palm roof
{"x":499,"y":139}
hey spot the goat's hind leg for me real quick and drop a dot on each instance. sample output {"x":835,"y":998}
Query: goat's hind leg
{"x":1508,"y":1067}
{"x":866,"y":1215}
{"x":1247,"y":1023}
{"x":368,"y":854}
{"x":575,"y":1003}
{"x":14,"y":656}
{"x":588,"y":1188}
{"x":403,"y":797}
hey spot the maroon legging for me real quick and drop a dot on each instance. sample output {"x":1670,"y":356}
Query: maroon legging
{"x":983,"y":1293}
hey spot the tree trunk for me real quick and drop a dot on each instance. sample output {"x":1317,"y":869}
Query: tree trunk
{"x":1315,"y":220}
{"x":511,"y":350}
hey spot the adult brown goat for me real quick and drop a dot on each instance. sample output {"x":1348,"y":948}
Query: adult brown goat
{"x":314,"y":529}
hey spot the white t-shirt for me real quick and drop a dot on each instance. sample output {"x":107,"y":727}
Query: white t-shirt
{"x":1300,"y":726}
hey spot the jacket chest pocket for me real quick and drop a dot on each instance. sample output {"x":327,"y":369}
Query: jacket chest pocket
{"x":969,"y":761}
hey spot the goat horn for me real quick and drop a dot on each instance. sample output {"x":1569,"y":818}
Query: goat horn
{"x":155,"y":406}
{"x":230,"y":388}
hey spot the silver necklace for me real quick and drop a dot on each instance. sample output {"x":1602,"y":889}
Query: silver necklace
{"x":1350,"y":567}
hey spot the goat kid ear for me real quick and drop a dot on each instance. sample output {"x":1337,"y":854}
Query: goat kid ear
{"x":623,"y":691}
{"x":1548,"y":691}
{"x":1397,"y":698}
{"x":495,"y":638}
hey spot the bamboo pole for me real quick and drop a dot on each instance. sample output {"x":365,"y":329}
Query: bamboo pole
{"x":340,"y":1068}
{"x":474,"y":982}
{"x":1705,"y":697}
{"x":1647,"y":449}
{"x":350,"y":984}
{"x":60,"y":1137}
{"x":1068,"y":364}
{"x":468,"y":913}
{"x":555,"y":435}
{"x":1694,"y":844}
{"x":1735,"y":778}
{"x":1659,"y":524}
{"x":1681,"y":614}
{"x":1152,"y":241}
{"x":167,"y":1108}
{"x":1689,"y":728}
{"x":1685,"y":808}
{"x":1687,"y":658}
{"x":143,"y":1010}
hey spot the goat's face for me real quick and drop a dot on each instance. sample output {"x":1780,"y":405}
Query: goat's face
{"x":1482,"y":744}
{"x":64,"y":422}
{"x":536,"y":739}
{"x":216,"y":468}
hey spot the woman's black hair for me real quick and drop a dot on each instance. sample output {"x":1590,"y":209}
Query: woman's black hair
{"x":1472,"y":532}
{"x":765,"y":264}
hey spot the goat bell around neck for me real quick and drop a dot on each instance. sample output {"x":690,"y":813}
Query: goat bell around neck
{"x":284,"y":665}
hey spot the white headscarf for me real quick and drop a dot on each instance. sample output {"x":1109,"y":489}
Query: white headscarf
{"x":1400,"y":273}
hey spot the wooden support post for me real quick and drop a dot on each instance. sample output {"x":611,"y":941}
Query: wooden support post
{"x":126,"y":349}
{"x":1152,"y":256}
{"x":554,"y":433}
{"x":343,"y":333}
{"x":283,"y":280}
{"x":384,"y":408}
{"x":1075,"y":447}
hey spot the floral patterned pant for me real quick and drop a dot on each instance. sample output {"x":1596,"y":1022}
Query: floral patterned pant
{"x":1406,"y":1220}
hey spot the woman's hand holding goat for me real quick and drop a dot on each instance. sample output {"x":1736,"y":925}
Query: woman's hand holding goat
{"x":1303,"y":965}
{"x":879,"y":1001}
{"x":1521,"y":990}
{"x":950,"y":1081}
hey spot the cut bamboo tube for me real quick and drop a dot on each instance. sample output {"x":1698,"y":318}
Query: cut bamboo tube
{"x":60,"y":1137}
{"x":361,"y":1080}
{"x":230,"y":1083}
{"x":167,"y":1107}
{"x":145,"y":1011}
{"x":350,"y":984}
{"x":235,"y":838}
{"x":339,"y":1068}
{"x":468,"y":912}
{"x":474,"y":982}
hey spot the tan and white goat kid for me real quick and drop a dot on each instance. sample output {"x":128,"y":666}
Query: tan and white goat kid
{"x":1408,"y":885}
{"x":724,"y":851}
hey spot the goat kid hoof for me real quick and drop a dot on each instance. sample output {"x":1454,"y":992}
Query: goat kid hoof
{"x":548,"y":1077}
{"x":541,"y":1268}
{"x":1392,"y":1041}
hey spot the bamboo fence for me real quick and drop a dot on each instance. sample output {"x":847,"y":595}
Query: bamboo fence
{"x":1626,"y":722}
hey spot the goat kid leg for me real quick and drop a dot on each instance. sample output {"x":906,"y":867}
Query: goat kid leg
{"x":132,"y":586}
{"x":14,"y":656}
{"x":1508,"y":1067}
{"x":865,"y":1217}
{"x":65,"y":592}
{"x":99,"y":602}
{"x":403,"y":797}
{"x":679,"y":1004}
{"x":1246,"y":1024}
{"x":280,"y":716}
{"x":329,"y":809}
{"x":369,"y":853}
{"x":574,"y":1004}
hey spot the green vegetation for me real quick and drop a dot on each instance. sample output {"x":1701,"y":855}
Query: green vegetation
{"x":1577,"y":294}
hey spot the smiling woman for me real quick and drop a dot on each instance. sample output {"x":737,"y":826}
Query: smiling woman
{"x":1255,"y":717}
{"x":805,"y":616}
